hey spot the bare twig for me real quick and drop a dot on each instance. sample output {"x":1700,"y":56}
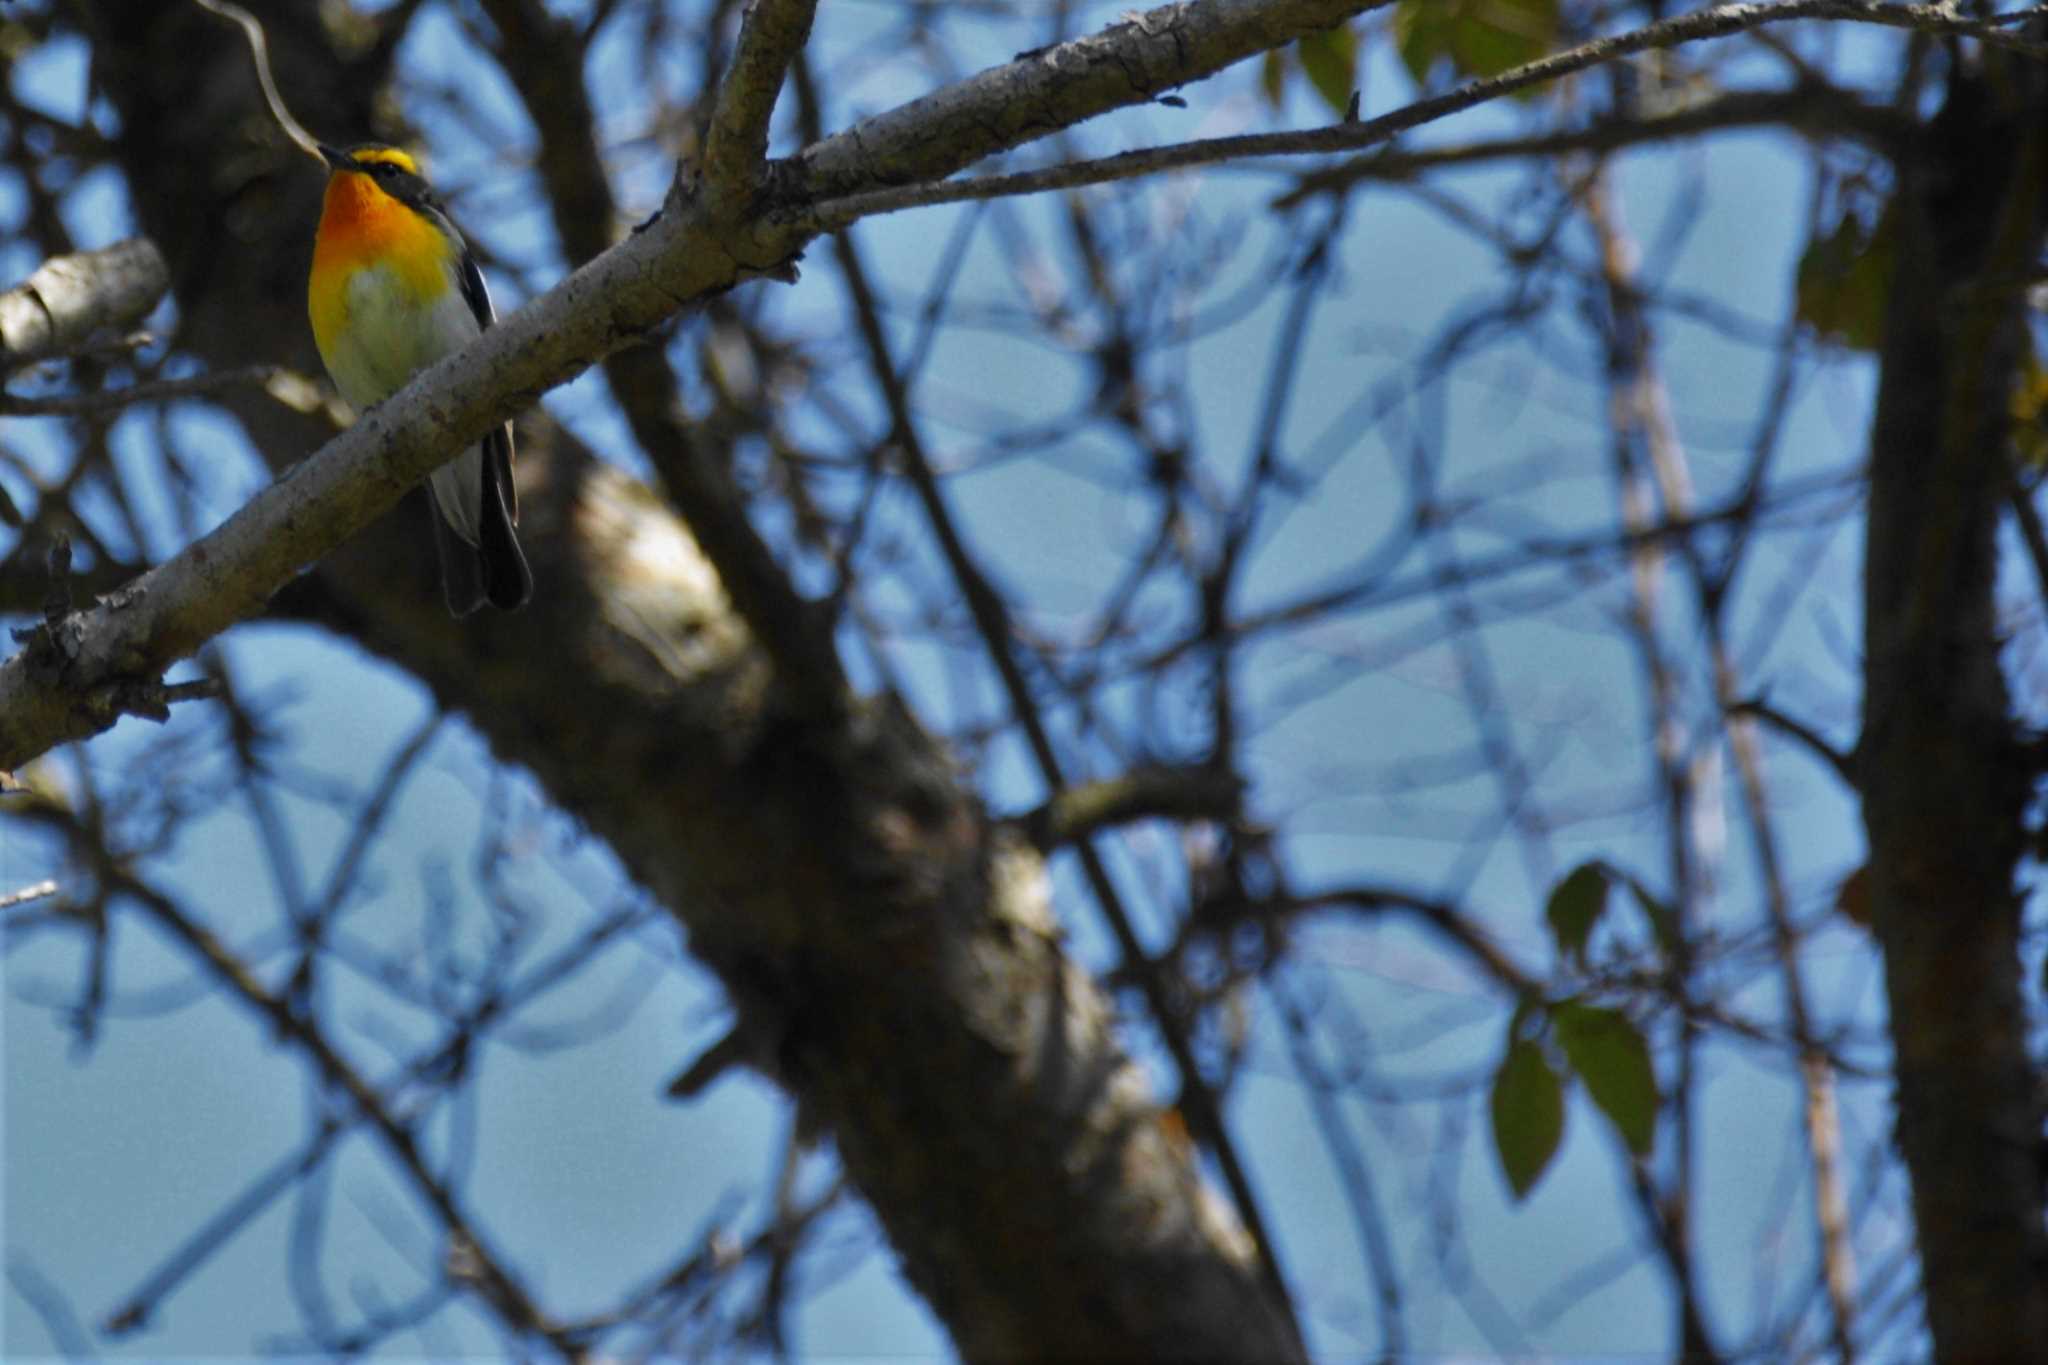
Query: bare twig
{"x":1459,"y":927}
{"x":259,"y":53}
{"x":35,"y":891}
{"x":1643,"y":407}
{"x":1817,"y":110}
{"x":51,"y":1307}
{"x":155,"y":391}
{"x":480,"y":1267}
{"x":135,"y":1310}
{"x":1180,"y":793}
{"x":1808,"y":738}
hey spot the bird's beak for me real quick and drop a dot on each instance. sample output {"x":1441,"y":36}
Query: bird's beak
{"x":336,"y":158}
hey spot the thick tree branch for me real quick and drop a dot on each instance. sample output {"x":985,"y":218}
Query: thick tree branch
{"x":992,"y":619}
{"x":70,"y":300}
{"x":580,"y":201}
{"x":1042,"y":92}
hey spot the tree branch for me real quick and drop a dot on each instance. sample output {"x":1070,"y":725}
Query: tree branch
{"x":1052,"y":88}
{"x":71,"y":299}
{"x":845,"y":206}
{"x":1183,"y":793}
{"x":772,"y":32}
{"x":1816,"y":109}
{"x":153,"y":391}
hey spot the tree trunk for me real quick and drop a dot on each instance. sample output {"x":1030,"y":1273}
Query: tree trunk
{"x":1941,"y":771}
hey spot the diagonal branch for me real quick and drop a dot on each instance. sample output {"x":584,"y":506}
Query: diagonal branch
{"x":1044,"y":91}
{"x":847,"y":202}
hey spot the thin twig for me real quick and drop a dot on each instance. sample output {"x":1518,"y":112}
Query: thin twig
{"x":154,"y":391}
{"x":34,"y":892}
{"x":1814,"y":110}
{"x":259,"y":53}
{"x":1810,"y":739}
{"x":1178,"y":793}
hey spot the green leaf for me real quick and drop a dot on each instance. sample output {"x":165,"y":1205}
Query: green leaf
{"x":1843,"y":281}
{"x":1575,"y":907}
{"x":1421,"y":36}
{"x":1528,"y":1114}
{"x":1330,"y":61}
{"x":1609,"y":1054}
{"x":1477,"y":37}
{"x":1273,"y":75}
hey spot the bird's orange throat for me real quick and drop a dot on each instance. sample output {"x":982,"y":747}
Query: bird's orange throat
{"x":360,"y":224}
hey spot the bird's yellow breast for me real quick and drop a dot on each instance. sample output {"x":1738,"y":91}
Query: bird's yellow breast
{"x":362,"y":228}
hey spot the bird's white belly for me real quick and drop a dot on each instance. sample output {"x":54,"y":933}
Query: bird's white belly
{"x":390,"y":338}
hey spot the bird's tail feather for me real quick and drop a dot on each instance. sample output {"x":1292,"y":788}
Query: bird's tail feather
{"x":507,"y":580}
{"x":462,"y":568}
{"x":476,"y":506}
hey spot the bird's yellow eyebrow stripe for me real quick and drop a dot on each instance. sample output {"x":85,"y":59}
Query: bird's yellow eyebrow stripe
{"x":388,"y":156}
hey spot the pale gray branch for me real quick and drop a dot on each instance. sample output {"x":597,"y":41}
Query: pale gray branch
{"x":1041,"y":92}
{"x":772,"y":32}
{"x":70,"y":300}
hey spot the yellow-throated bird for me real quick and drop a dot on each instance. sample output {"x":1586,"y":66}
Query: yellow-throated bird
{"x":394,"y":288}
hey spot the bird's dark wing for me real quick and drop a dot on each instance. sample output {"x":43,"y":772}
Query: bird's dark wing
{"x":475,"y":292}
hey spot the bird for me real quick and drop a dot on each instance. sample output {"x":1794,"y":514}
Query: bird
{"x":394,"y":288}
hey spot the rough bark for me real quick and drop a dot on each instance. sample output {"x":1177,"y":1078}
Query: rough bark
{"x":892,"y":953}
{"x":1940,"y":765}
